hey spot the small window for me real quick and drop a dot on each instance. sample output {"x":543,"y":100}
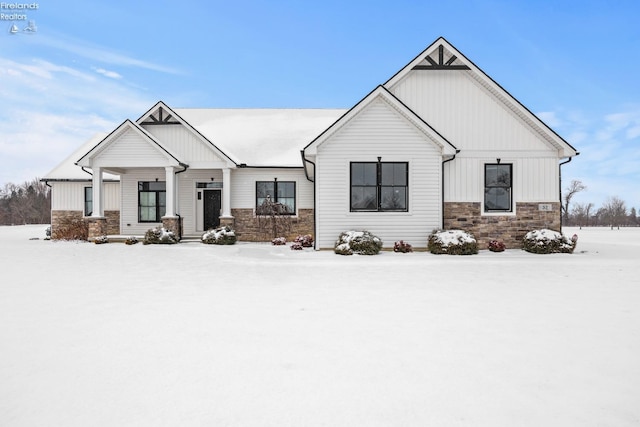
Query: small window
{"x":379,"y":186}
{"x":88,"y":201}
{"x":275,"y":197}
{"x":497,"y":188}
{"x":152,"y":201}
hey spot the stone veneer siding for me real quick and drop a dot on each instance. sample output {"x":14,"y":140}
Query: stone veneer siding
{"x":510,"y":229}
{"x":247,"y":225}
{"x":112,"y":225}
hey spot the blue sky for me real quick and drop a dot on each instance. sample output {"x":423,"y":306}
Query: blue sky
{"x":90,"y":65}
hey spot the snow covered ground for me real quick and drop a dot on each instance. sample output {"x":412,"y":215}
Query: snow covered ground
{"x":257,"y":335}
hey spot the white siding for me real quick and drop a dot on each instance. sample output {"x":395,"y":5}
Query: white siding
{"x":466,"y":113}
{"x":131,"y":150}
{"x":183,"y":143}
{"x":69,"y":196}
{"x":484,"y":129}
{"x":379,"y":130}
{"x":187,"y":195}
{"x":129,"y":224}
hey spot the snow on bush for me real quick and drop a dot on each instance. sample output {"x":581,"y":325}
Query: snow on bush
{"x":295,"y":246}
{"x":496,"y":246}
{"x":220,"y":236}
{"x":402,"y":247}
{"x":546,"y":241}
{"x":452,"y":242}
{"x":279,"y":241}
{"x":159,"y":235}
{"x":131,"y":240}
{"x":305,"y":241}
{"x":100,"y":240}
{"x":357,"y":242}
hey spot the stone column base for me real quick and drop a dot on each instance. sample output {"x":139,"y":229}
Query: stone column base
{"x":227,"y":221}
{"x":172,"y":223}
{"x":97,"y":227}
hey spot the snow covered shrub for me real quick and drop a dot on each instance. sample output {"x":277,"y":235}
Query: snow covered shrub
{"x":452,"y":242}
{"x":496,"y":246}
{"x":131,"y":240}
{"x":47,"y":233}
{"x":402,"y":247}
{"x":159,"y":235}
{"x":295,"y":246}
{"x":305,"y":241}
{"x":220,"y":236}
{"x":546,"y":241}
{"x":279,"y":241}
{"x":100,"y":240}
{"x":357,"y":242}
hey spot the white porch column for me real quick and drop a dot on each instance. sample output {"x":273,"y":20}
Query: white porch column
{"x":226,"y":193}
{"x":98,"y":194}
{"x":170,"y":179}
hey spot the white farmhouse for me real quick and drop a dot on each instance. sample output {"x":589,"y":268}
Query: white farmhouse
{"x":439,"y":145}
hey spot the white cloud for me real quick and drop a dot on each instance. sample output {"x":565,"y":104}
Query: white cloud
{"x":48,"y":110}
{"x":107,"y":73}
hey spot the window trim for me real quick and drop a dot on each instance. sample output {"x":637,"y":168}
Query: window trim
{"x":487,"y":210}
{"x":160,"y":209}
{"x":379,"y":186}
{"x":275,"y":183}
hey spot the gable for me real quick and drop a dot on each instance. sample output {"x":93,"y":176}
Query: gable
{"x":128,"y":146}
{"x":182,"y":138}
{"x":433,"y":85}
{"x":393,"y":103}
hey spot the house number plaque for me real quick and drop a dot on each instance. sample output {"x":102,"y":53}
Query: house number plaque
{"x":547,"y":207}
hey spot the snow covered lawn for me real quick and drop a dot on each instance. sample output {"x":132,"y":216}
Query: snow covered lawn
{"x":259,"y":335}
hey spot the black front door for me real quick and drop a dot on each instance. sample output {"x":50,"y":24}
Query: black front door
{"x":212,"y":205}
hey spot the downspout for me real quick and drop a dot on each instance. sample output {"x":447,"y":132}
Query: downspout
{"x":185,"y":167}
{"x":315,"y":219}
{"x":560,"y":187}
{"x":442,"y":177}
{"x":84,"y":170}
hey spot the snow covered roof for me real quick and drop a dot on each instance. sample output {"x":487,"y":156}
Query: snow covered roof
{"x":68,"y":170}
{"x":261,"y":137}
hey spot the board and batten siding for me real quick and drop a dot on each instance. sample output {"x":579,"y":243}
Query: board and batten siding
{"x":184,"y":144}
{"x":466,"y":113}
{"x":130,"y":150}
{"x":243,"y":190}
{"x":479,"y":124}
{"x":69,"y":196}
{"x":378,"y":130}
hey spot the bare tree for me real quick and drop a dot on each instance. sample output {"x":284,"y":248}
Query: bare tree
{"x":575,"y":187}
{"x":580,"y":214}
{"x":614,"y":211}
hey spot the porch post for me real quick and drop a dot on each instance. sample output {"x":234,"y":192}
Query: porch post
{"x":98,"y":209}
{"x":97,"y":223}
{"x":226,"y":192}
{"x":171,"y":191}
{"x":226,"y":219}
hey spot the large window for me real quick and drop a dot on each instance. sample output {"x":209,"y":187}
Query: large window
{"x":88,"y":201}
{"x":379,"y":186}
{"x":152,"y":201}
{"x":275,"y":197}
{"x":497,"y":187}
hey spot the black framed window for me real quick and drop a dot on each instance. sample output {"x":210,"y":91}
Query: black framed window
{"x":498,"y":187}
{"x":379,"y":186}
{"x":88,"y":201}
{"x":275,"y":196}
{"x":152,"y":201}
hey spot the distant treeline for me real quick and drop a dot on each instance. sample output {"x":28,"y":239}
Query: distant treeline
{"x":28,"y":203}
